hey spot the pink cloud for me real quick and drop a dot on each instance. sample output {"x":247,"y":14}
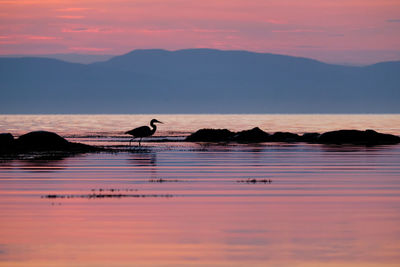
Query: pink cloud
{"x":72,"y":9}
{"x":38,"y":37}
{"x":70,"y":17}
{"x":156,"y":31}
{"x":82,"y":30}
{"x":276,"y":21}
{"x":298,"y":31}
{"x":88,"y":49}
{"x":8,"y":42}
{"x":257,"y":25}
{"x":213,"y":31}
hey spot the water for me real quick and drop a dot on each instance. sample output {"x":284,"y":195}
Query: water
{"x":324,"y":206}
{"x":178,"y":125}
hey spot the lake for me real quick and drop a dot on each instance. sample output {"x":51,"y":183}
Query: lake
{"x":173,"y":203}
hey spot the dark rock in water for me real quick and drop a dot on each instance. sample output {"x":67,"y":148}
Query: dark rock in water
{"x":253,"y":135}
{"x":42,"y":141}
{"x":285,"y":137}
{"x":368,"y":137}
{"x":211,"y":135}
{"x":6,"y":137}
{"x":7,"y":141}
{"x":310,"y":137}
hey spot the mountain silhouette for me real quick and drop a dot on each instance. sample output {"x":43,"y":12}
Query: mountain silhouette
{"x":197,"y":81}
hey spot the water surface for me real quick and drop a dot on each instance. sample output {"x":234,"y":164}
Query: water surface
{"x":324,"y":206}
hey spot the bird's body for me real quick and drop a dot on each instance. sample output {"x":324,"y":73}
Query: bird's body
{"x":143,"y":131}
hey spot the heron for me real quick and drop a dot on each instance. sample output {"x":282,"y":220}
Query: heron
{"x":143,"y":131}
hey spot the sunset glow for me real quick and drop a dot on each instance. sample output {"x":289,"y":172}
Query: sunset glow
{"x":199,"y":133}
{"x":326,"y":205}
{"x":336,"y":31}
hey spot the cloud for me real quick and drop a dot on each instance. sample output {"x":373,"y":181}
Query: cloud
{"x":84,"y":29}
{"x":72,"y":9}
{"x":21,"y":38}
{"x":2,"y":249}
{"x":39,"y":37}
{"x":307,"y":46}
{"x":71,"y":17}
{"x":80,"y":29}
{"x":8,"y":42}
{"x":213,"y":30}
{"x":151,"y":31}
{"x":393,"y":20}
{"x":187,"y":30}
{"x":88,"y":49}
{"x":276,"y":21}
{"x":298,"y":31}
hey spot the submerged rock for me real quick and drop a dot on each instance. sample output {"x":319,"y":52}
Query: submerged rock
{"x":42,"y":141}
{"x":211,"y":135}
{"x":368,"y":137}
{"x":253,"y":135}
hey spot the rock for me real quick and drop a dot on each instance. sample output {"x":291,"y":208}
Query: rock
{"x":41,"y":141}
{"x":7,"y":141}
{"x":368,"y":137}
{"x":285,"y":137}
{"x":310,"y":137}
{"x":211,"y":135}
{"x":253,"y":135}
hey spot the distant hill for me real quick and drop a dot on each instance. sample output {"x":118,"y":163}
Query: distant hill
{"x":73,"y":58}
{"x":197,"y":81}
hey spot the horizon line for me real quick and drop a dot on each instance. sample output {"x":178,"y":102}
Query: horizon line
{"x":41,"y":55}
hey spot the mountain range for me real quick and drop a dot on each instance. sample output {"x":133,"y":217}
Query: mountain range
{"x":197,"y":81}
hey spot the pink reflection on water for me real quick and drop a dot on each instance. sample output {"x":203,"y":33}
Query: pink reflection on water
{"x":230,"y":232}
{"x":326,"y":206}
{"x":181,"y":124}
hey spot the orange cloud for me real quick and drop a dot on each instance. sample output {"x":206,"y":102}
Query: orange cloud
{"x":38,"y":37}
{"x":72,"y":9}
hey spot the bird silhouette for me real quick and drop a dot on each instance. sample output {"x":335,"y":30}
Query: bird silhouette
{"x":143,"y":131}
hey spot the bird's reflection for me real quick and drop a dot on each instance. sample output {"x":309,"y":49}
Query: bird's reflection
{"x":143,"y":157}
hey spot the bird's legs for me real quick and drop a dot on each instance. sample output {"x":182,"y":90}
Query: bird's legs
{"x":140,"y":140}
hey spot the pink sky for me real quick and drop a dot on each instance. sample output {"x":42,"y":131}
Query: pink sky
{"x":352,"y":31}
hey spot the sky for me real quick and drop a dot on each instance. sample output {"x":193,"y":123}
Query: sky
{"x":337,"y":31}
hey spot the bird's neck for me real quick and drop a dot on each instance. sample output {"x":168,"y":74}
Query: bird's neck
{"x":154,"y":127}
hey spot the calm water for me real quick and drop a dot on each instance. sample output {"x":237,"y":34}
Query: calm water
{"x":325,"y":205}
